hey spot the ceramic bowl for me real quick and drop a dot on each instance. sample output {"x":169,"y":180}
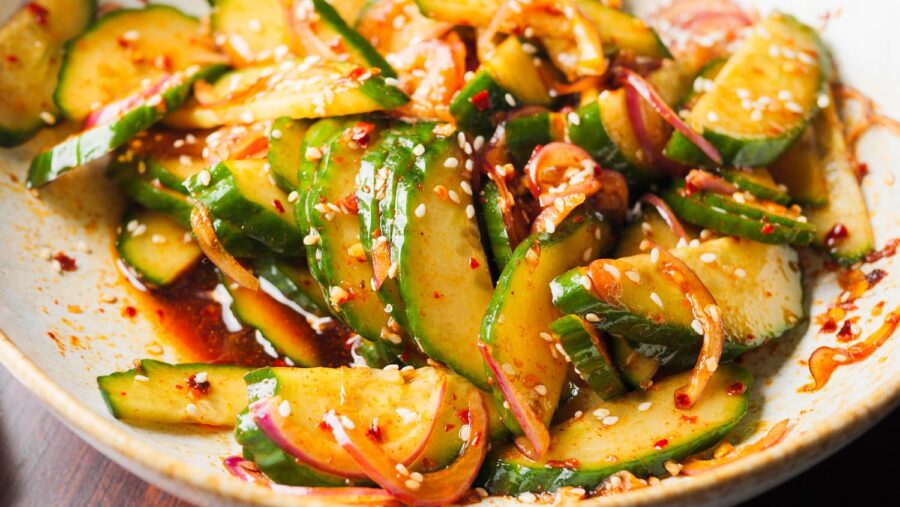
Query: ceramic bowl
{"x":58,"y":334}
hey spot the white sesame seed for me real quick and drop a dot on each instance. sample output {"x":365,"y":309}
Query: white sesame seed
{"x":48,"y":118}
{"x":294,"y":196}
{"x":131,"y":35}
{"x":407,"y":415}
{"x":420,"y":210}
{"x":634,"y":276}
{"x":392,"y":271}
{"x":204,"y":178}
{"x":411,"y":484}
{"x":508,"y":368}
{"x":547,"y":337}
{"x":200,"y":377}
{"x":592,"y":317}
{"x":528,"y":497}
{"x":313,"y":153}
{"x":609,"y":421}
{"x":655,"y":298}
{"x":247,"y":116}
{"x":276,"y":134}
{"x":574,"y":119}
{"x":712,"y":116}
{"x":416,"y":476}
{"x":391,"y":367}
{"x":793,"y":107}
{"x":284,"y":408}
{"x":708,"y":257}
{"x":465,"y":431}
{"x":510,"y":100}
{"x":157,"y":239}
{"x":478,"y":143}
{"x":600,"y":413}
{"x":541,"y":389}
{"x":466,"y":187}
{"x":453,"y":196}
{"x":347,"y":423}
{"x":451,"y":162}
{"x":419,"y":150}
{"x":645,"y":406}
{"x":470,"y":165}
{"x":400,"y":467}
{"x":785,"y":95}
{"x":577,"y":414}
{"x":839,"y":358}
{"x":139,"y":231}
{"x":612,"y":270}
{"x":481,"y":492}
{"x":311,"y":239}
{"x":585,"y":282}
{"x":191,"y":409}
{"x":141,"y":378}
{"x":697,"y":326}
{"x":654,"y":255}
{"x":586,"y":256}
{"x":740,"y":273}
{"x":470,"y":211}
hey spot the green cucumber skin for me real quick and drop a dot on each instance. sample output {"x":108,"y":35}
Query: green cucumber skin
{"x":361,"y":46}
{"x":225,"y":201}
{"x":756,"y":189}
{"x":280,"y":157}
{"x":734,"y":152}
{"x":523,"y":134}
{"x":319,"y":135}
{"x":591,"y":365}
{"x":468,"y":118}
{"x":366,"y":195}
{"x":390,"y":97}
{"x":591,"y":135}
{"x":494,"y":228}
{"x":270,"y":270}
{"x":730,"y":205}
{"x":569,"y":296}
{"x":99,"y":141}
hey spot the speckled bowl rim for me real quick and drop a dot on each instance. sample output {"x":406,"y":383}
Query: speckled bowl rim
{"x":728,"y":484}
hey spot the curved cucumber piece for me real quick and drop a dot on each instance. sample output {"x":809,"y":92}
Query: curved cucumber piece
{"x":637,"y":369}
{"x":296,"y":89}
{"x":524,"y":133}
{"x":589,"y":356}
{"x":800,"y":169}
{"x":444,"y":276}
{"x":295,"y":283}
{"x":757,"y":287}
{"x":240,"y":192}
{"x":747,"y":132}
{"x":284,"y":328}
{"x":100,"y":140}
{"x":521,"y":311}
{"x":337,"y":258}
{"x":156,"y":247}
{"x":285,"y":140}
{"x":702,"y":82}
{"x":760,"y":210}
{"x":846,"y":204}
{"x":650,"y":226}
{"x":331,"y":25}
{"x":635,"y":440}
{"x":620,"y":31}
{"x":30,"y":57}
{"x":494,"y":225}
{"x":245,"y":41}
{"x":100,"y":66}
{"x":757,"y":182}
{"x":315,"y":144}
{"x":157,"y":392}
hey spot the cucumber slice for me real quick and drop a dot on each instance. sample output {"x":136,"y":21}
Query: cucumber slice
{"x":156,"y":247}
{"x":757,"y":182}
{"x":331,"y":26}
{"x":240,"y":192}
{"x":589,"y":356}
{"x":251,"y":31}
{"x":285,"y":140}
{"x":444,"y":276}
{"x":524,"y":133}
{"x":294,"y":282}
{"x":168,"y":41}
{"x":460,"y":12}
{"x":494,"y":226}
{"x":635,"y":439}
{"x":296,"y":89}
{"x":100,"y":140}
{"x":30,"y":58}
{"x":846,"y":204}
{"x":620,"y":31}
{"x":513,"y":69}
{"x":761,"y":210}
{"x":521,"y":311}
{"x":284,"y":328}
{"x":135,"y":179}
{"x":337,"y":258}
{"x":476,"y":105}
{"x":157,"y":392}
{"x":757,"y":287}
{"x":702,"y":82}
{"x":637,"y":369}
{"x":796,"y":65}
{"x":316,"y":140}
{"x":651,"y":227}
{"x":800,"y":169}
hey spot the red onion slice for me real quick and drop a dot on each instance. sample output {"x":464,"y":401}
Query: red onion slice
{"x":115,"y":110}
{"x":633,"y":106}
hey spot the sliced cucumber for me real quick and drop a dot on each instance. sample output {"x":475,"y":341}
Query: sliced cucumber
{"x":240,"y":192}
{"x":330,"y":26}
{"x":30,"y":57}
{"x":156,"y":247}
{"x":651,"y":227}
{"x":490,"y":214}
{"x":444,"y":276}
{"x":800,"y":169}
{"x":749,"y":133}
{"x":846,"y":204}
{"x":757,"y":182}
{"x":284,"y":328}
{"x":589,"y":356}
{"x":101,"y":66}
{"x":757,"y":287}
{"x":702,"y":82}
{"x":136,"y":180}
{"x":525,"y":133}
{"x":157,"y":392}
{"x":338,"y":259}
{"x":295,"y":282}
{"x":521,"y":310}
{"x":637,"y":370}
{"x":98,"y":141}
{"x":296,"y":89}
{"x":620,"y":31}
{"x":285,"y":140}
{"x":513,"y":69}
{"x":631,"y":437}
{"x":461,"y":12}
{"x":315,"y":144}
{"x":251,"y":31}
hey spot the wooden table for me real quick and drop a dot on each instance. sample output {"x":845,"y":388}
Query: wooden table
{"x":42,"y":463}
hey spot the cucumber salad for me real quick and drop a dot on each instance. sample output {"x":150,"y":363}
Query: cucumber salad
{"x":473,"y":247}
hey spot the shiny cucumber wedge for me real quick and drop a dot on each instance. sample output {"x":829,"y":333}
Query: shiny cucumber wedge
{"x":294,"y":281}
{"x":636,"y":370}
{"x":524,"y":133}
{"x":31,"y":44}
{"x":634,"y":438}
{"x":650,"y":226}
{"x":800,"y":169}
{"x":589,"y":355}
{"x":846,"y":204}
{"x":287,"y":330}
{"x":444,"y":276}
{"x":757,"y":182}
{"x":297,"y":89}
{"x":132,"y":117}
{"x":751,"y":121}
{"x":757,"y":287}
{"x":516,"y":326}
{"x":315,"y":145}
{"x":190,"y":393}
{"x":156,"y":247}
{"x":335,"y":253}
{"x":285,"y":140}
{"x":240,"y":192}
{"x":493,"y":225}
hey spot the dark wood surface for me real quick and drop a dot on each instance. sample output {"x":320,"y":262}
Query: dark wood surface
{"x":42,"y":463}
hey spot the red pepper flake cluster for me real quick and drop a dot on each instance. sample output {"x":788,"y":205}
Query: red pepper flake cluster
{"x":481,"y":100}
{"x":374,"y":433}
{"x":888,"y":251}
{"x":350,"y":204}
{"x":39,"y":12}
{"x":875,"y":276}
{"x":12,"y":58}
{"x":737,"y":389}
{"x":361,"y":133}
{"x":66,"y":263}
{"x":199,"y":387}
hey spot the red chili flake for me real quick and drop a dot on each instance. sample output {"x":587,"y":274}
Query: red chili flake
{"x":463,"y":415}
{"x":481,"y":100}
{"x":767,"y":228}
{"x":123,"y":393}
{"x":356,"y":73}
{"x":279,"y":362}
{"x":691,"y":419}
{"x":846,"y":332}
{"x":12,"y":58}
{"x":374,"y":433}
{"x":324,"y":426}
{"x":278,"y":205}
{"x":564,"y":463}
{"x":660,"y":444}
{"x":130,"y":311}
{"x":689,"y":189}
{"x":39,"y":11}
{"x":350,"y":203}
{"x":200,"y":387}
{"x":875,"y":276}
{"x":829,"y":326}
{"x":160,"y":313}
{"x":836,"y":234}
{"x":65,"y":262}
{"x":682,"y":401}
{"x":361,"y":132}
{"x":449,"y":427}
{"x":437,"y":295}
{"x":888,"y":251}
{"x":473,"y":263}
{"x":736,"y":389}
{"x":179,"y":386}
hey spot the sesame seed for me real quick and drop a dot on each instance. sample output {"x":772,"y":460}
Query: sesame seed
{"x":634,"y":276}
{"x":822,"y":100}
{"x":840,"y":358}
{"x":48,"y":118}
{"x":612,"y":270}
{"x":255,"y":25}
{"x":347,"y":423}
{"x":416,"y":476}
{"x":481,"y":492}
{"x":655,"y":298}
{"x":586,"y":256}
{"x":391,"y":367}
{"x":204,"y":178}
{"x":478,"y":143}
{"x":451,"y":162}
{"x":470,"y":165}
{"x":645,"y":406}
{"x":276,"y":134}
{"x":738,"y":197}
{"x":785,"y":95}
{"x":508,"y":368}
{"x":157,"y":239}
{"x":419,"y":150}
{"x":697,"y":326}
{"x":46,"y":254}
{"x":184,"y":160}
{"x":541,"y":389}
{"x":313,"y":153}
{"x":200,"y":377}
{"x":470,"y":211}
{"x":284,"y":408}
{"x":510,"y":100}
{"x":247,"y":116}
{"x":600,"y":413}
{"x":708,"y":257}
{"x":461,"y":140}
{"x":574,"y":119}
{"x":712,"y":116}
{"x":311,"y":239}
{"x":609,"y":421}
{"x":453,"y":196}
{"x":191,"y":409}
{"x":465,"y":431}
{"x":131,"y":35}
{"x":528,"y":497}
{"x":392,"y":271}
{"x":694,"y":243}
{"x":585,"y":282}
{"x":740,"y":273}
{"x":141,"y":378}
{"x":592,"y":317}
{"x":646,"y":227}
{"x":577,"y":414}
{"x":420,"y":210}
{"x":654,"y":255}
{"x":407,"y":415}
{"x":793,"y":107}
{"x":411,"y":484}
{"x":294,"y":196}
{"x":108,"y":298}
{"x":546,"y":336}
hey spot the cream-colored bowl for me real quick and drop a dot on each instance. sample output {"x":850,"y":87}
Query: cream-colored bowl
{"x":93,"y":338}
